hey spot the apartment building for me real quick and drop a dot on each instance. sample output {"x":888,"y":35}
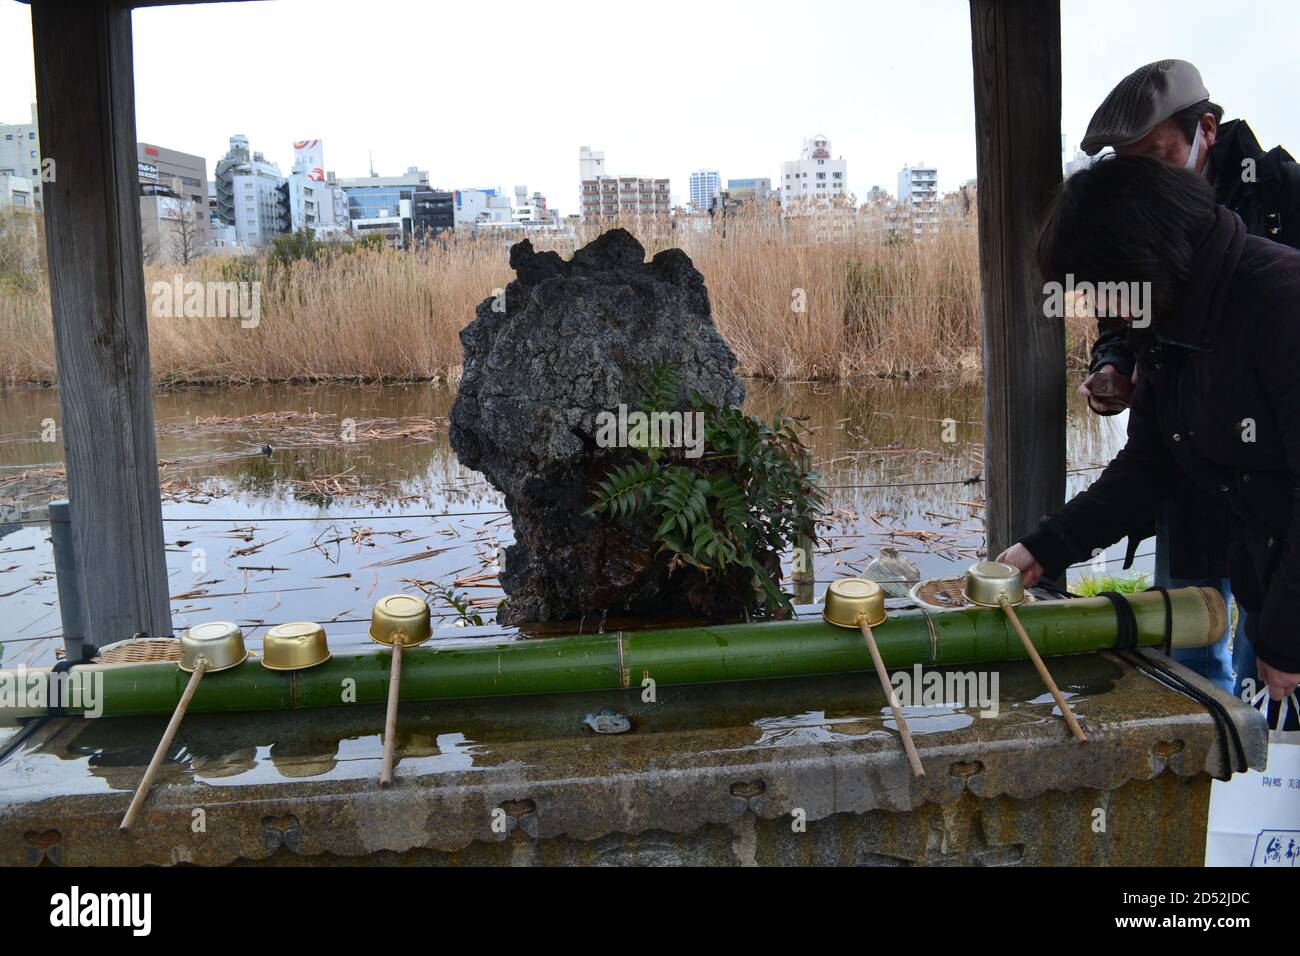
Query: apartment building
{"x":250,"y":195}
{"x":20,"y":158}
{"x":625,"y":197}
{"x":814,"y":179}
{"x":591,"y":164}
{"x":706,"y":186}
{"x":17,"y":192}
{"x":918,"y":192}
{"x":606,"y":197}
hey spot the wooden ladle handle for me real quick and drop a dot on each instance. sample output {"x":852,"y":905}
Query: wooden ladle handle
{"x":912,"y":756}
{"x":142,"y":791}
{"x":390,"y":721}
{"x":1032,"y":651}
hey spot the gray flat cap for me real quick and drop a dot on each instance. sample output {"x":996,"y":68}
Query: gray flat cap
{"x":1142,"y":101}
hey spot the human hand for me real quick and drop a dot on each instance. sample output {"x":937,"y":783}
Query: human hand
{"x":1018,"y":556}
{"x":1281,"y":684}
{"x":1107,"y":391}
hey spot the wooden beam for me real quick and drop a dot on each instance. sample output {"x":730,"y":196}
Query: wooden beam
{"x":86,"y":107}
{"x":1016,"y":48}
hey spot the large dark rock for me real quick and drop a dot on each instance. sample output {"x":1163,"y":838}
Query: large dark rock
{"x":574,"y":338}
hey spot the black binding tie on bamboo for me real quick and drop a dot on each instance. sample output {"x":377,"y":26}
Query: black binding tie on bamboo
{"x":1126,"y":637}
{"x":59,"y":706}
{"x":1126,"y":644}
{"x":1169,"y":619}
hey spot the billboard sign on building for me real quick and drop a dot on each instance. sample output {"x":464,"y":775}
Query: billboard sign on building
{"x":309,"y":158}
{"x":146,"y":171}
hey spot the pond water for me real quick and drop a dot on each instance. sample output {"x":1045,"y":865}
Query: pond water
{"x":291,"y":503}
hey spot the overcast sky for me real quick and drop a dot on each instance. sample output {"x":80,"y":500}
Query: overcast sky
{"x":499,"y":92}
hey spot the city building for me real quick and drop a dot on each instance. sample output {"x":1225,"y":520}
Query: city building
{"x":17,"y":192}
{"x":747,"y":190}
{"x":249,"y":195}
{"x":393,"y":223}
{"x":385,"y":204}
{"x":878,"y":196}
{"x":482,"y":207}
{"x":532,"y":209}
{"x":20,"y":157}
{"x":175,"y":223}
{"x":918,"y":192}
{"x":625,"y":197}
{"x":706,"y":184}
{"x":814,"y":179}
{"x":591,"y":165}
{"x":314,"y":198}
{"x":371,"y":197}
{"x":605,"y":197}
{"x":432,"y":212}
{"x":470,"y":204}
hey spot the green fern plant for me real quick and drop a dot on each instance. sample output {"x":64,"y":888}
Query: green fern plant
{"x":750,"y":496}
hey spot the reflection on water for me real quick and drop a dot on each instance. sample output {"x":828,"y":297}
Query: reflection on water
{"x":895,"y":457}
{"x":437,"y":738}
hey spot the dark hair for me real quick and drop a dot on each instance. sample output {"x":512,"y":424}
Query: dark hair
{"x":1128,"y":219}
{"x":1188,"y":119}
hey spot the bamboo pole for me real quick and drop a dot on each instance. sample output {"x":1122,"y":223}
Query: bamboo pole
{"x":390,"y":721}
{"x":912,"y":756}
{"x":461,"y":668}
{"x":1044,"y":673}
{"x":146,"y":782}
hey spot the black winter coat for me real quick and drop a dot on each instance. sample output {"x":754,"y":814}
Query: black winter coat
{"x":1216,"y":409}
{"x":1269,"y":204}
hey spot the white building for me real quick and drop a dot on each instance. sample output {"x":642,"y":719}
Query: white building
{"x":17,"y":192}
{"x":249,"y":195}
{"x":316,"y":202}
{"x":603,"y":196}
{"x":591,"y":165}
{"x":20,"y":155}
{"x":814,"y":178}
{"x":918,"y":191}
{"x":531,"y":209}
{"x":706,"y":186}
{"x":470,"y":204}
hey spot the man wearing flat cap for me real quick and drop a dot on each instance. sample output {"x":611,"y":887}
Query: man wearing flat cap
{"x":1163,"y":111}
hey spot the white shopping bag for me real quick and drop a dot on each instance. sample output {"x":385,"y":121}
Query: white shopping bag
{"x":1255,"y":816}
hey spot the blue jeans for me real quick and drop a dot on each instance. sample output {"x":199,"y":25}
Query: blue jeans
{"x":1243,"y":661}
{"x":1226,"y":657}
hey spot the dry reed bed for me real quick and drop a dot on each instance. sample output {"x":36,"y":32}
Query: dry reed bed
{"x":796,"y":302}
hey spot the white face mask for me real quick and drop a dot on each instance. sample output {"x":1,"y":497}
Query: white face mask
{"x":1196,"y":148}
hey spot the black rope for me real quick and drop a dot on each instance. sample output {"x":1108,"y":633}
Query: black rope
{"x":1126,"y":643}
{"x":1169,"y":618}
{"x":58,"y":706}
{"x":1225,"y":728}
{"x":1126,"y":637}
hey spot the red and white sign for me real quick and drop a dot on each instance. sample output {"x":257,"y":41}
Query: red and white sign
{"x":309,"y":158}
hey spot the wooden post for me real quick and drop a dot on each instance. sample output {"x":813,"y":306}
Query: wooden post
{"x":803,"y":576}
{"x":1016,"y":49}
{"x":86,"y":107}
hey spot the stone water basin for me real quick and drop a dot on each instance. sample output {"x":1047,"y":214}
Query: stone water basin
{"x":806,"y":771}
